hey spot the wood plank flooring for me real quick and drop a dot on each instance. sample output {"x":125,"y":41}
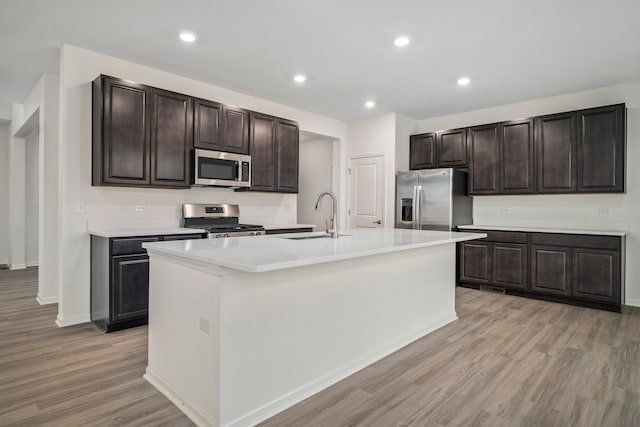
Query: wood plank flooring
{"x":507,"y":361}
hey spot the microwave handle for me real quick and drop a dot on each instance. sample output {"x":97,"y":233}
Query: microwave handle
{"x":239,"y":170}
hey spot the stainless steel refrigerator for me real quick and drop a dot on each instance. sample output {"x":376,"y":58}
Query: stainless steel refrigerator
{"x":432,"y":199}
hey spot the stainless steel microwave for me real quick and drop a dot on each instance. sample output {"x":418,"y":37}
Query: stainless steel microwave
{"x":222,"y":169}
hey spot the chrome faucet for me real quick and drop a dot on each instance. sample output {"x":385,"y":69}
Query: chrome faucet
{"x":332,"y":224}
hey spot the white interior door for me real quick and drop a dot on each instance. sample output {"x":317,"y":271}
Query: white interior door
{"x":366,"y":191}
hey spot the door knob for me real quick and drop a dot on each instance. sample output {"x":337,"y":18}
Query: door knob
{"x":377,"y":222}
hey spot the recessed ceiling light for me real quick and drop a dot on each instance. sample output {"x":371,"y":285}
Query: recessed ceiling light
{"x":187,"y":37}
{"x":401,"y":41}
{"x":369,"y":104}
{"x":463,"y":81}
{"x":299,"y":78}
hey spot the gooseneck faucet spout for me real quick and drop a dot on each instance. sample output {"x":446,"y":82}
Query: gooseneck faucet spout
{"x":332,"y":224}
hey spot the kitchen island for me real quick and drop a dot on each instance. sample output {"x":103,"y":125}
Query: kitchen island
{"x":242,"y":328}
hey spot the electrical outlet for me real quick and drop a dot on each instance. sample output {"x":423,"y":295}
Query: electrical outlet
{"x":505,"y":211}
{"x":80,"y":208}
{"x":604,"y":211}
{"x":141,"y":208}
{"x":204,"y":325}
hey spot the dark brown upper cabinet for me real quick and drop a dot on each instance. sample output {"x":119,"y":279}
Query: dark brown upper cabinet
{"x":274,"y":148}
{"x":142,"y":136}
{"x":207,"y":125}
{"x":516,"y":157}
{"x":556,"y":159}
{"x":451,"y":148}
{"x":220,"y":127}
{"x":422,"y":151}
{"x":601,"y":135}
{"x":287,"y":152}
{"x":171,"y":121}
{"x":485,"y":159}
{"x":574,"y":152}
{"x":121,"y":142}
{"x":235,"y":130}
{"x":444,"y":149}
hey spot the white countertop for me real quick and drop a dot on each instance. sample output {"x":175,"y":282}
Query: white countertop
{"x":124,"y":232}
{"x":268,"y":253}
{"x":287,"y":226}
{"x":543,"y":230}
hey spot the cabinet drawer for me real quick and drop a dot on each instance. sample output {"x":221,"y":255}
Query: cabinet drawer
{"x":576,"y":240}
{"x":130,"y":246}
{"x":182,"y":237}
{"x":501,"y":236}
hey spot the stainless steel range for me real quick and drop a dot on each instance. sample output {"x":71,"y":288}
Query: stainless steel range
{"x":219,"y":220}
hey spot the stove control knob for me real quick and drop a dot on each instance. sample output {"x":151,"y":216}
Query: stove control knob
{"x":251,"y":233}
{"x":218,"y":236}
{"x":257,"y":233}
{"x":226,"y":235}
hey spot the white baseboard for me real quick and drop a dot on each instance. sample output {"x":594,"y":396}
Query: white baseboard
{"x":194,"y":413}
{"x":75,"y":320}
{"x":47,"y":300}
{"x":632,"y":302}
{"x":32,"y":263}
{"x":4,"y":261}
{"x":17,"y":267}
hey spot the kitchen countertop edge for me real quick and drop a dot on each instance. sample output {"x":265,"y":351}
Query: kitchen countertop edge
{"x":139,"y":232}
{"x":616,"y":233}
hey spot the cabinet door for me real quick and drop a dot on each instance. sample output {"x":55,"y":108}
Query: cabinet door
{"x":130,"y":287}
{"x":601,"y":149}
{"x":510,"y":265}
{"x":124,"y":148}
{"x":262,"y":143}
{"x":422,"y":151}
{"x":207,"y":125}
{"x":235,"y":130}
{"x":484,"y":148}
{"x":516,"y":157}
{"x":451,"y":148}
{"x":171,"y":138}
{"x":551,"y":270}
{"x":596,"y":275}
{"x":555,"y":142}
{"x":287,"y":148}
{"x":475,"y":262}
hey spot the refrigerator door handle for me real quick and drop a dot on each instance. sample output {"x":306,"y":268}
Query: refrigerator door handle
{"x":417,"y":205}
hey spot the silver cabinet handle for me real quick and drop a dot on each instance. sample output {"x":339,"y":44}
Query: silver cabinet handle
{"x":377,"y":222}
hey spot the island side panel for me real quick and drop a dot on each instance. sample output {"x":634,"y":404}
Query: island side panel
{"x":184,"y":360}
{"x":287,"y":334}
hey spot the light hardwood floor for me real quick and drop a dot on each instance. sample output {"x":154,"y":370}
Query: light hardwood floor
{"x":507,"y":361}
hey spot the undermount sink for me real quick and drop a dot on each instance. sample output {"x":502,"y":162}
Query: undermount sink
{"x":316,"y":236}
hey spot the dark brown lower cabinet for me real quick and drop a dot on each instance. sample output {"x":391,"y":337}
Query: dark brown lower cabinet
{"x":120,"y":280}
{"x":575,"y":269}
{"x":596,"y":274}
{"x":510,"y":265}
{"x":493,"y":263}
{"x":475,"y":262}
{"x":130,"y":290}
{"x":551,"y":269}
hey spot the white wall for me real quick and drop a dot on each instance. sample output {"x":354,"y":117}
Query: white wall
{"x":32,"y":174}
{"x":4,"y":192}
{"x":405,"y":127}
{"x":115,"y":206}
{"x":316,"y":169}
{"x":39,"y":111}
{"x":377,"y":135}
{"x":568,"y":211}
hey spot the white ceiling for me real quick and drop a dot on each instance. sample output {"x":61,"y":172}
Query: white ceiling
{"x":512,"y":50}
